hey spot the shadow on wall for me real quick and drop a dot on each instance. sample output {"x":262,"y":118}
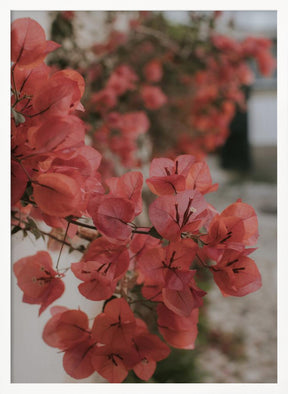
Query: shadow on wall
{"x":255,"y":161}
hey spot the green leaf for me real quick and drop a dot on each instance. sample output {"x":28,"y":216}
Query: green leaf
{"x":19,"y":118}
{"x":154,"y":233}
{"x":33,"y":228}
{"x":200,"y":243}
{"x":15,"y":229}
{"x":27,"y":193}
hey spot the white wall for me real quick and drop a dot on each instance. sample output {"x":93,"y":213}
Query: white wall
{"x":262,"y":118}
{"x":42,"y":17}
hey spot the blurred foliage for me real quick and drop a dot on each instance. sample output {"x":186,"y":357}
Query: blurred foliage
{"x":202,"y":77}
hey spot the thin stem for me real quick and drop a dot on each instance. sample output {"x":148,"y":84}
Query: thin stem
{"x":20,"y":99}
{"x":23,"y":168}
{"x":61,"y":241}
{"x":201,"y":261}
{"x":80,"y":224}
{"x":66,"y":231}
{"x":38,"y":113}
{"x":135,"y":231}
{"x":26,"y":105}
{"x":14,"y":84}
{"x":79,"y":249}
{"x":28,"y":176}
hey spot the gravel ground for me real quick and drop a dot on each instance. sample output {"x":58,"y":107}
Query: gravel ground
{"x":246,"y":348}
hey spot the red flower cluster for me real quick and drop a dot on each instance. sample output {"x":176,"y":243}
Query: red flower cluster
{"x":48,"y":147}
{"x":119,"y":131}
{"x":228,"y":234}
{"x":53,"y":170}
{"x":217,"y":87}
{"x":194,"y":104}
{"x":116,"y":343}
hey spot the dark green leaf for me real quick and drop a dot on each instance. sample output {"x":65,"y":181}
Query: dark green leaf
{"x":154,"y":233}
{"x":15,"y":229}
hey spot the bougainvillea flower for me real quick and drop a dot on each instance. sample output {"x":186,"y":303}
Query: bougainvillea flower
{"x":138,"y":245}
{"x":169,"y":184}
{"x":164,"y":166}
{"x":28,"y":42}
{"x":149,"y":350}
{"x":259,"y":48}
{"x":168,"y":176}
{"x":246,"y":227}
{"x":77,"y":77}
{"x":95,"y":286}
{"x":85,"y":160}
{"x":116,"y":325}
{"x":153,"y":71}
{"x":128,"y":186}
{"x":19,"y":181}
{"x":140,"y":350}
{"x":122,"y":79}
{"x":104,"y":100}
{"x":131,"y":124}
{"x":26,"y":81}
{"x":236,"y":274}
{"x":58,"y":194}
{"x":124,"y":146}
{"x":57,"y":133}
{"x":135,"y":123}
{"x":145,"y":368}
{"x":166,"y":271}
{"x":235,"y":228}
{"x":111,"y":217}
{"x":109,"y":363}
{"x":150,"y":268}
{"x":66,"y":328}
{"x":199,"y":178}
{"x":59,"y":95}
{"x":94,"y":187}
{"x":101,"y":274}
{"x":38,"y":280}
{"x":102,"y":249}
{"x":184,"y":173}
{"x":152,"y":290}
{"x":173,"y":215}
{"x":77,"y":360}
{"x":153,"y":97}
{"x":178,"y":331}
{"x":181,"y":294}
{"x":154,"y":262}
